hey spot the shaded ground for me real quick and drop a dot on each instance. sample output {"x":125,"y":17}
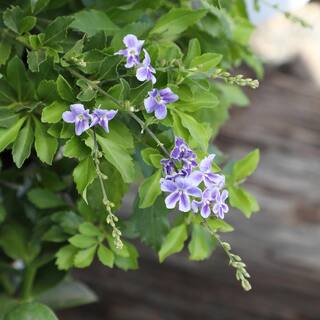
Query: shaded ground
{"x":280,"y":245}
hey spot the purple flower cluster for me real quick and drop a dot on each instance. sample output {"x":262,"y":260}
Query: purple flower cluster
{"x":194,"y":186}
{"x":83,"y":120}
{"x":157,"y":100}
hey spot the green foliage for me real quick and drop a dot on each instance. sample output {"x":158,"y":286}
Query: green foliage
{"x":61,"y":193}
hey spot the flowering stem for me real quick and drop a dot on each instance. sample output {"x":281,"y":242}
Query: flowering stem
{"x":234,"y":260}
{"x":131,"y":114}
{"x":111,"y":218}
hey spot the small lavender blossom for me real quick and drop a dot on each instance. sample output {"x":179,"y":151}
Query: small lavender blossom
{"x":157,"y":101}
{"x":168,"y":166}
{"x":132,"y":51}
{"x":209,"y":197}
{"x":102,"y":117}
{"x":145,"y":72}
{"x":180,"y":191}
{"x":79,"y":116}
{"x":220,"y":208}
{"x":205,"y":174}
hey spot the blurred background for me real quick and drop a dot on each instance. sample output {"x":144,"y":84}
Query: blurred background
{"x":281,"y":244}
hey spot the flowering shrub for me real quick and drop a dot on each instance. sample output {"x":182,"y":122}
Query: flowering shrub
{"x":96,"y":97}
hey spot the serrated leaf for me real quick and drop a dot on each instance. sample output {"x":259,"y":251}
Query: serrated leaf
{"x":75,"y":148}
{"x":45,"y":145}
{"x":35,"y":59}
{"x":65,"y":257}
{"x":246,"y":166}
{"x":150,"y":190}
{"x":173,"y":242}
{"x":53,"y":112}
{"x":105,"y":256}
{"x":65,"y":90}
{"x":84,"y":258}
{"x":92,"y":21}
{"x":9,"y":135}
{"x":83,"y":175}
{"x":22,"y":146}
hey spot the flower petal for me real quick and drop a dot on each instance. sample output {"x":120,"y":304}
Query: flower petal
{"x":161,"y":111}
{"x":205,"y":211}
{"x":194,"y":191}
{"x":168,"y":96}
{"x":172,"y":199}
{"x":111,"y":114}
{"x":150,"y":104}
{"x":224,"y":195}
{"x":167,"y":185}
{"x":142,"y":74}
{"x":195,"y":178}
{"x":69,"y":117}
{"x":131,"y":41}
{"x":184,"y":203}
{"x":206,"y":163}
{"x":81,"y":126}
{"x":77,"y":108}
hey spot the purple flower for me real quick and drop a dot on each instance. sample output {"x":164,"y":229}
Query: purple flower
{"x":209,"y":178}
{"x":182,"y":152}
{"x":145,"y":72}
{"x":102,"y":117}
{"x":180,"y":191}
{"x":168,"y":166}
{"x":157,"y":101}
{"x":79,"y":116}
{"x":220,"y":208}
{"x":209,"y":197}
{"x":132,"y":52}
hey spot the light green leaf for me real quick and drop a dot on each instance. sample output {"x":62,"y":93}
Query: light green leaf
{"x":75,"y":148}
{"x":150,"y":190}
{"x":202,"y":243}
{"x":194,"y":50}
{"x":45,"y":145}
{"x":93,"y":21}
{"x":65,"y":90}
{"x":88,"y":229}
{"x":65,"y":257}
{"x":83,"y":175}
{"x":82,"y":241}
{"x":53,"y":112}
{"x":246,"y":166}
{"x":176,"y":21}
{"x":105,"y":256}
{"x":44,"y":199}
{"x":28,"y":311}
{"x":7,"y":136}
{"x":15,"y":19}
{"x":220,"y":225}
{"x":118,"y":157}
{"x":22,"y":146}
{"x":84,"y":258}
{"x":206,"y":62}
{"x":57,"y":30}
{"x":173,"y":242}
{"x":130,"y":262}
{"x":35,"y":59}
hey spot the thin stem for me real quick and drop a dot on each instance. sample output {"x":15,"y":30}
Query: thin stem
{"x":131,"y":114}
{"x":27,"y":285}
{"x":111,"y":218}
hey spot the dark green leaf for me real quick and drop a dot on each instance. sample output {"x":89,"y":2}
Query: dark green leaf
{"x":150,"y":190}
{"x":44,"y":199}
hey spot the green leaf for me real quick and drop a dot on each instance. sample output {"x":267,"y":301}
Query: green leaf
{"x":173,"y":242}
{"x":18,"y":79}
{"x":44,"y":199}
{"x":243,"y":200}
{"x":123,"y":252}
{"x":22,"y":146}
{"x":82,"y":241}
{"x":8,"y":136}
{"x":118,"y":157}
{"x":5,"y":50}
{"x":220,"y":225}
{"x":246,"y":166}
{"x":202,"y":243}
{"x":65,"y":257}
{"x":75,"y":148}
{"x":196,"y":129}
{"x":28,"y":311}
{"x":89,"y":229}
{"x":138,"y":94}
{"x":38,"y":5}
{"x":45,"y":145}
{"x":194,"y":50}
{"x":65,"y":90}
{"x":176,"y":21}
{"x":56,"y":30}
{"x":150,"y":190}
{"x":67,"y":294}
{"x":47,"y":90}
{"x":105,"y":256}
{"x":130,"y":262}
{"x":93,"y":21}
{"x":151,"y":224}
{"x":83,"y":175}
{"x":84,"y":258}
{"x":15,"y":19}
{"x":206,"y":62}
{"x":53,"y":112}
{"x":35,"y":59}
